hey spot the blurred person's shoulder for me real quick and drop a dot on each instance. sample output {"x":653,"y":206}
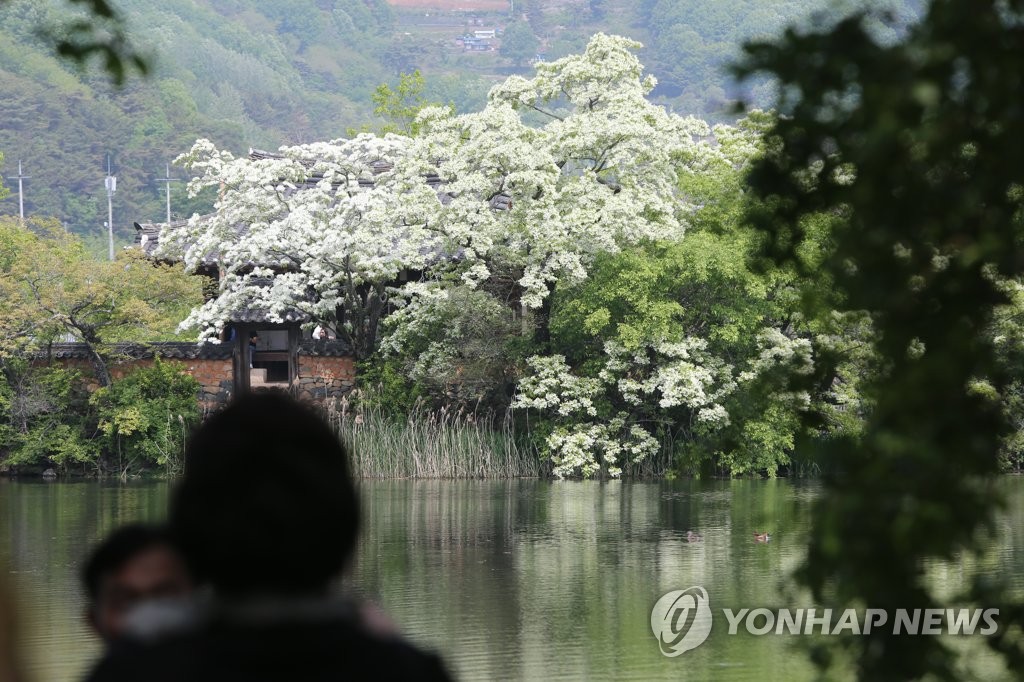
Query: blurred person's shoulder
{"x":307,"y":651}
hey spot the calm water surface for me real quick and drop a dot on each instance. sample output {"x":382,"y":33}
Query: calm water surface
{"x":508,"y":580}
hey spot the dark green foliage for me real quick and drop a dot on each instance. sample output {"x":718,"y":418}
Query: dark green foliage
{"x":701,"y":288}
{"x":916,"y":143}
{"x":44,"y":418}
{"x":145,"y":418}
{"x":459,"y":351}
{"x":138,"y":424}
{"x":383,"y":387}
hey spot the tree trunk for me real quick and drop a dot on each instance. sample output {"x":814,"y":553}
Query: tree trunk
{"x":99,"y":365}
{"x":542,"y":323}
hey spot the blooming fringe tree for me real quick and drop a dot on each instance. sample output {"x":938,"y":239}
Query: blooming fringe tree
{"x":518,"y":200}
{"x":321,"y":230}
{"x":604,"y":423}
{"x":599,"y":172}
{"x":337,"y":221}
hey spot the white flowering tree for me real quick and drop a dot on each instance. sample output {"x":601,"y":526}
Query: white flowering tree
{"x":319,"y":229}
{"x":520,"y":201}
{"x":580,"y":161}
{"x":603,"y":423}
{"x":673,"y":346}
{"x":324,"y":228}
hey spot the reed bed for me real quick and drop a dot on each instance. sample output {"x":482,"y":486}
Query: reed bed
{"x":450,"y":444}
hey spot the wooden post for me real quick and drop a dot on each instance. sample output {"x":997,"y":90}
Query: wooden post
{"x":242,"y":358}
{"x":294,"y":334}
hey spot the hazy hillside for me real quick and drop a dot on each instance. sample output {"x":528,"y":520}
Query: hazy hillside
{"x":250,"y":73}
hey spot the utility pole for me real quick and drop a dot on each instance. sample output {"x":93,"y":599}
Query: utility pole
{"x":111,"y":185}
{"x":21,"y":193}
{"x":168,"y":180}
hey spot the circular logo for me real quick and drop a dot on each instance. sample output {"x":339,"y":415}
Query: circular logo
{"x":681,"y":620}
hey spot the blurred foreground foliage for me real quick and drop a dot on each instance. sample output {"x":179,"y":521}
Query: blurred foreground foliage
{"x":915,"y":145}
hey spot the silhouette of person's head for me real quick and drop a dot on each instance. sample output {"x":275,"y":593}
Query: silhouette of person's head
{"x":266,"y":505}
{"x":135,"y":564}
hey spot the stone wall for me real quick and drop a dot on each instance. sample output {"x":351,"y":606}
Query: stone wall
{"x":320,"y":378}
{"x":213,"y":375}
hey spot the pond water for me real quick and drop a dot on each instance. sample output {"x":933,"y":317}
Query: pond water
{"x":507,"y":579}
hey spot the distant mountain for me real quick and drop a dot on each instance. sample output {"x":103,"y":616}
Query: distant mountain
{"x":250,"y":73}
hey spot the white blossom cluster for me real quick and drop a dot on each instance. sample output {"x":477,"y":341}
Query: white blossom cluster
{"x":780,"y":351}
{"x":673,"y":374}
{"x":581,"y":448}
{"x":553,"y":387}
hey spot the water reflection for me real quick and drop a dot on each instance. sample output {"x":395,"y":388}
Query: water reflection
{"x":546,"y":580}
{"x":46,"y":529}
{"x":509,"y":579}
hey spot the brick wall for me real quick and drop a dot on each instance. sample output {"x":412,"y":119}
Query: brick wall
{"x":213,"y":375}
{"x":320,"y":377}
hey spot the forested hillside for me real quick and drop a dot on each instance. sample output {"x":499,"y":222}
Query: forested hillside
{"x":247,"y":73}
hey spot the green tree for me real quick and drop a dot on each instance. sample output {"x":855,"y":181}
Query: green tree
{"x":50,"y":289}
{"x":456,"y":345}
{"x":44,"y":416}
{"x":398,"y":106}
{"x":916,"y":145}
{"x":519,"y":43}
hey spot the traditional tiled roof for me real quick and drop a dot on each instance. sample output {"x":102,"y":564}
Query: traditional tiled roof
{"x":325,"y":348}
{"x":376,"y":167}
{"x":147,"y":237}
{"x":180,"y":350}
{"x":183,"y":350}
{"x":257,"y":316}
{"x":501,"y":202}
